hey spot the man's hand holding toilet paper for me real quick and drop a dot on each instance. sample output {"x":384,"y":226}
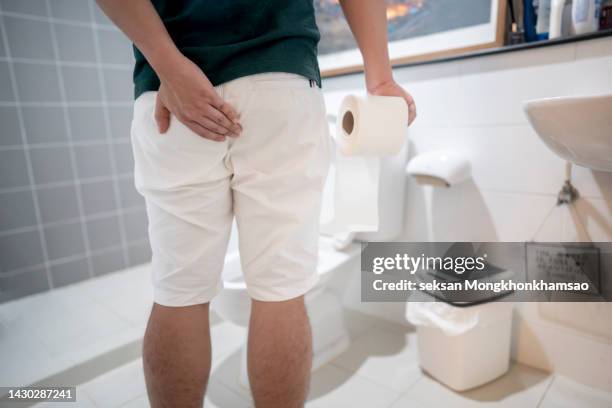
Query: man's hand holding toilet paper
{"x":392,"y":88}
{"x":368,"y":22}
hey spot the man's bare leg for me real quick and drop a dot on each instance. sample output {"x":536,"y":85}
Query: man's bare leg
{"x":176,"y":355}
{"x":279,"y":353}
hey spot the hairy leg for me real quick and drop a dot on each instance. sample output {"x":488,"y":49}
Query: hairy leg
{"x":176,"y":355}
{"x":279,"y":353}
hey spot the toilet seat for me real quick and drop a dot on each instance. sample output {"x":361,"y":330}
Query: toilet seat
{"x":329,"y":260}
{"x":233,"y":302}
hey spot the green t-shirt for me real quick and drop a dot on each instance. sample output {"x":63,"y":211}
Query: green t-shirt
{"x":232,"y":39}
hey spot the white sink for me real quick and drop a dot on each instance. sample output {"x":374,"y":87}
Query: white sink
{"x":579,"y":129}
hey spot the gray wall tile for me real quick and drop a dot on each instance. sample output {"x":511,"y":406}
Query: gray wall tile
{"x":20,"y":250}
{"x":103,"y":232}
{"x":23,"y":284}
{"x":120,"y":121}
{"x":87,"y":123}
{"x":100,"y":17}
{"x":107,"y":262}
{"x":37,"y":86}
{"x":124,"y":158}
{"x":77,"y":10}
{"x":44,"y":124}
{"x":93,"y":161}
{"x":6,"y":89}
{"x":13,"y":169}
{"x":69,"y":272}
{"x":75,"y":43}
{"x":58,"y":203}
{"x":81,"y":84}
{"x":98,"y":197}
{"x":37,"y":83}
{"x":29,"y":38}
{"x":119,"y":85}
{"x":33,"y":7}
{"x":2,"y":48}
{"x":51,"y":164}
{"x":128,"y":194}
{"x":115,"y":48}
{"x":17,"y":210}
{"x":139,"y":253}
{"x":10,"y":132}
{"x":136,"y":224}
{"x":64,"y":240}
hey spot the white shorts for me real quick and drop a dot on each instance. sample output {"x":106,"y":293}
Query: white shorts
{"x":270,"y":178}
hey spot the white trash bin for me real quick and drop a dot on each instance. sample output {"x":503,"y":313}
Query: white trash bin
{"x":463,"y":347}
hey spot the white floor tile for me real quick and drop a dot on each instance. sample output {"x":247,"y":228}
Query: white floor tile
{"x":217,"y":396}
{"x":70,"y":329}
{"x":385,"y":357}
{"x":357,"y":323}
{"x":47,"y":333}
{"x":139,"y":402}
{"x":112,"y":285}
{"x":566,"y":393}
{"x":521,"y":387}
{"x":133,"y":308}
{"x":118,"y":386}
{"x":106,"y":344}
{"x":23,"y":357}
{"x":220,"y":396}
{"x":557,"y":349}
{"x":334,"y":387}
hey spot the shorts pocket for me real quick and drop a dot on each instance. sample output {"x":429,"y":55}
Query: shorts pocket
{"x":179,"y":157}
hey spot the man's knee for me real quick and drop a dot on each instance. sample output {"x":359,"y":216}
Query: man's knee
{"x":292,"y":306}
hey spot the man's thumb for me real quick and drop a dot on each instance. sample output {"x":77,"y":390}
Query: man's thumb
{"x":162,"y":116}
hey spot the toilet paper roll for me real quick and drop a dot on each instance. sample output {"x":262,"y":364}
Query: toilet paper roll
{"x":367,"y":130}
{"x":371,"y":126}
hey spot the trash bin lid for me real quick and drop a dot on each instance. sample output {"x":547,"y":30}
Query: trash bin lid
{"x":490,"y":273}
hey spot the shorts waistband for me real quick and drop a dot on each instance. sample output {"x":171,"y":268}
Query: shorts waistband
{"x":283,"y":80}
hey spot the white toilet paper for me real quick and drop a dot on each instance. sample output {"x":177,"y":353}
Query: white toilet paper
{"x":373,"y":126}
{"x":367,"y":129}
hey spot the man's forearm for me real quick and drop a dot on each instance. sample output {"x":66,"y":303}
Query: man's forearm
{"x":139,"y":20}
{"x":368,"y":22}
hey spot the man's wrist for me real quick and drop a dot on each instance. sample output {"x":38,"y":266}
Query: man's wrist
{"x":376,"y":76}
{"x":374,"y":83}
{"x":165,"y":61}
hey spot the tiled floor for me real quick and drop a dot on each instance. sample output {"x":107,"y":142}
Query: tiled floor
{"x":48,"y":333}
{"x":379,"y":370}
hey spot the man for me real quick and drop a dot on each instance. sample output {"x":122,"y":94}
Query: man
{"x":243,"y":76}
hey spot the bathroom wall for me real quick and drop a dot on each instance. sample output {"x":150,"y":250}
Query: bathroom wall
{"x":473,"y":106}
{"x":68,"y":209}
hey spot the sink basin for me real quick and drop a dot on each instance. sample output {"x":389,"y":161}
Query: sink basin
{"x":579,"y":129}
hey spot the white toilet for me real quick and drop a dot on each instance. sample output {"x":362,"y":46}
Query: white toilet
{"x":330,"y":337}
